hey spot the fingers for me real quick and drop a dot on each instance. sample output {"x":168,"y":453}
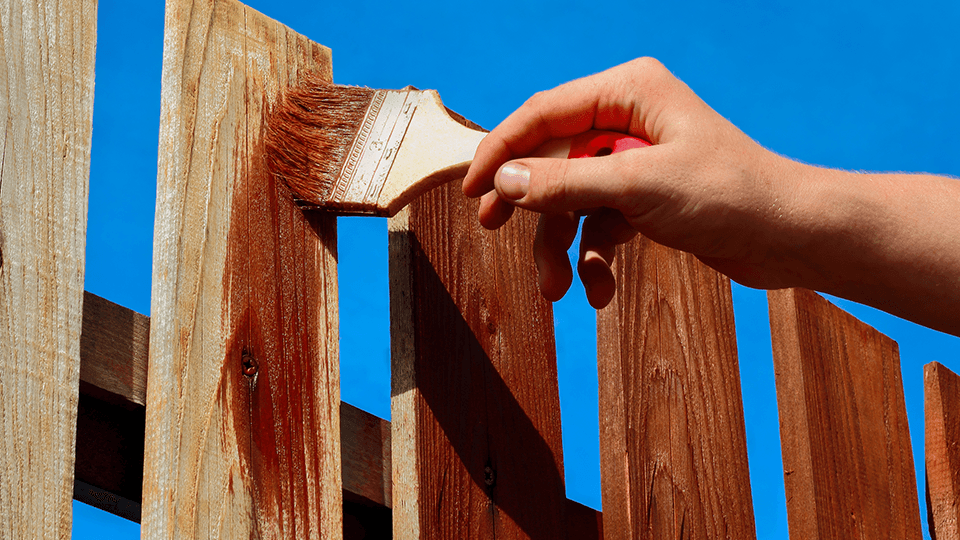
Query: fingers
{"x":561,"y":112}
{"x":555,"y":235}
{"x":602,"y":232}
{"x":494,"y":211}
{"x":626,"y":98}
{"x":548,"y":185}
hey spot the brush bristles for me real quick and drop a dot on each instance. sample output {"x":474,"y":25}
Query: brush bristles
{"x":309,"y":133}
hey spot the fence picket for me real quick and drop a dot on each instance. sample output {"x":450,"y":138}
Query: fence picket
{"x":848,"y":467}
{"x":476,"y":411}
{"x":242,"y":418}
{"x":47,"y":52}
{"x":673,"y":447}
{"x":942,"y":411}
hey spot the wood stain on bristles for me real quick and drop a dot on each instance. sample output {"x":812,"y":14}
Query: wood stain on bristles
{"x":309,"y":134}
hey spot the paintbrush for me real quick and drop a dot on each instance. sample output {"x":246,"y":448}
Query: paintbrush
{"x":353,"y":150}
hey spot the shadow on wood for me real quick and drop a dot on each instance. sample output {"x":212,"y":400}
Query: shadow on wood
{"x":497,"y":446}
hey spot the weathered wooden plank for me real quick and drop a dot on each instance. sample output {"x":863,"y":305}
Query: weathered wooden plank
{"x":243,"y":394}
{"x":848,"y":467}
{"x":673,"y":446}
{"x":47,"y":52}
{"x":476,"y":416}
{"x":942,"y":433}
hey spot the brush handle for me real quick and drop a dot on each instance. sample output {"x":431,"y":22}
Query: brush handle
{"x":438,"y":148}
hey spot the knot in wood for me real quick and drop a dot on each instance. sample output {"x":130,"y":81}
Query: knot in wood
{"x":248,"y":363}
{"x":489,"y":476}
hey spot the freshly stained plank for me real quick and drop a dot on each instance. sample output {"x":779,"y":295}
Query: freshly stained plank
{"x":476,"y":413}
{"x":673,"y":453}
{"x":848,"y":467}
{"x":46,"y":107}
{"x":243,"y":394}
{"x":942,"y":411}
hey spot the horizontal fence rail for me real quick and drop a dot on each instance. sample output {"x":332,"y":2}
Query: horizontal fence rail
{"x":221,"y":417}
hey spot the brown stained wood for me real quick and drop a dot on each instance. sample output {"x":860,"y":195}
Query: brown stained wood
{"x":120,"y":338}
{"x":942,"y":433}
{"x":365,"y":441}
{"x":848,"y":466}
{"x":47,"y":52}
{"x":111,"y":428}
{"x":110,"y":417}
{"x":476,"y":413}
{"x":243,"y":436}
{"x":673,"y":447}
{"x":109,"y":464}
{"x":110,"y":434}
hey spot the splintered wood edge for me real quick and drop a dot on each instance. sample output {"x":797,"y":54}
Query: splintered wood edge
{"x":366,"y":440}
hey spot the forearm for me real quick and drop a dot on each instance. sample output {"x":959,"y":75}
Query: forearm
{"x":891,"y":241}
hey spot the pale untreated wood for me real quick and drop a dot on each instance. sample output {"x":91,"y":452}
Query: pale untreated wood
{"x":673,"y":446}
{"x":942,"y":432}
{"x":848,"y":467}
{"x":47,"y":52}
{"x":476,"y":415}
{"x":243,"y":436}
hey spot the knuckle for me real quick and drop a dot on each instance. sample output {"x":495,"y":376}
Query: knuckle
{"x":649,"y":68}
{"x":536,"y":100}
{"x":554,"y":187}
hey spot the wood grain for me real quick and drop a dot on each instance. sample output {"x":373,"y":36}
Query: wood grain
{"x":47,"y":52}
{"x":848,"y":467}
{"x":243,"y":393}
{"x":119,"y":338}
{"x":673,"y":447}
{"x":476,"y":413}
{"x":111,"y":427}
{"x":942,"y":433}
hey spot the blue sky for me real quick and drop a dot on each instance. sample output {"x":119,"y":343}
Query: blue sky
{"x":847,"y":84}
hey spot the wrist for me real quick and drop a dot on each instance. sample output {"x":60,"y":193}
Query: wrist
{"x":806,"y":220}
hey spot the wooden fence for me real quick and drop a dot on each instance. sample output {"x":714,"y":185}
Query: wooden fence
{"x":220,"y":416}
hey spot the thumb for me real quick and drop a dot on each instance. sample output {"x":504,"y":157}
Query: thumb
{"x":552,"y":186}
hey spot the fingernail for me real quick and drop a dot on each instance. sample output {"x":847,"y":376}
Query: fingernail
{"x":513,"y":180}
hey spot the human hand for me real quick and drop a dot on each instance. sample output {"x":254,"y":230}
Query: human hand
{"x":703,"y":187}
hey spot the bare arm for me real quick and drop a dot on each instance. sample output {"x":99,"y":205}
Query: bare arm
{"x":891,"y":241}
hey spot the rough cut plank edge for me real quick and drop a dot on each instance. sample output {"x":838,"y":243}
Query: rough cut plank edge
{"x":848,"y":464}
{"x":942,"y":412}
{"x":47,"y":54}
{"x":365,"y":449}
